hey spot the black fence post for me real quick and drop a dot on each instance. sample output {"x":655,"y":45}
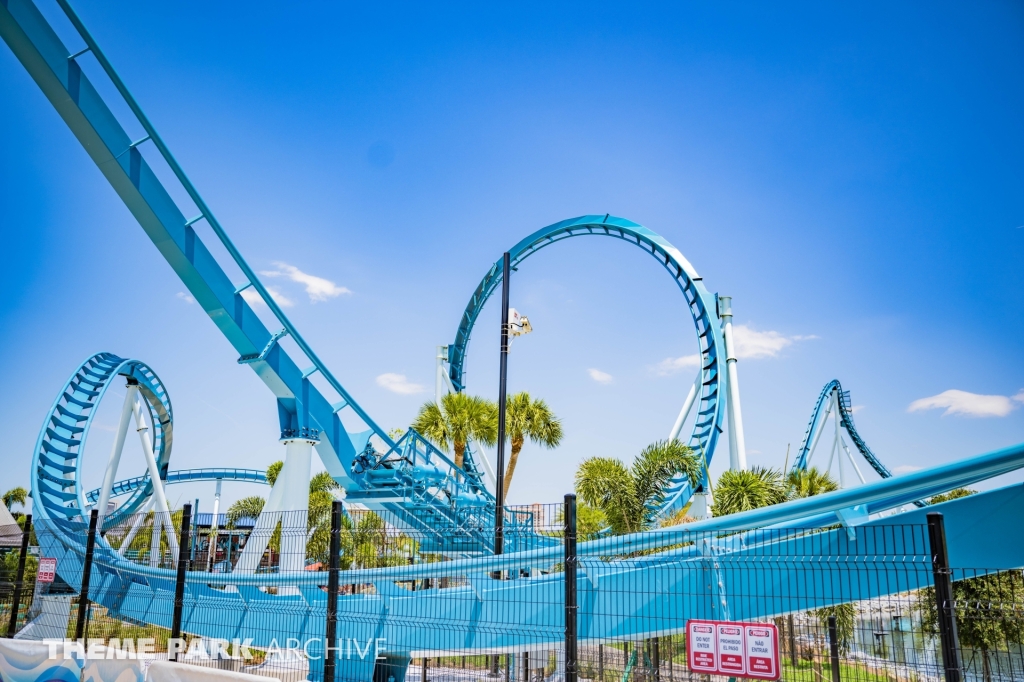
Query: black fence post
{"x":794,"y":656}
{"x":83,"y":598}
{"x":331,"y":639}
{"x":571,"y":662}
{"x":656,"y":659}
{"x":944,"y":600}
{"x":833,"y":646}
{"x":179,"y":579}
{"x":19,"y":580}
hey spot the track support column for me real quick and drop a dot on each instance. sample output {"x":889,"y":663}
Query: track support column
{"x":737,"y":443}
{"x":132,"y":390}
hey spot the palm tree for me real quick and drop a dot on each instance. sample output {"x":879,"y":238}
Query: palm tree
{"x":629,"y":498}
{"x":810,"y":482}
{"x":15,"y":496}
{"x":739,"y":491}
{"x":459,"y":418}
{"x":526,"y":418}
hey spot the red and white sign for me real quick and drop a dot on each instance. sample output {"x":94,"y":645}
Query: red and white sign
{"x":762,"y":651}
{"x":730,"y":649}
{"x":47,"y":570}
{"x":701,"y":650}
{"x":734,"y":649}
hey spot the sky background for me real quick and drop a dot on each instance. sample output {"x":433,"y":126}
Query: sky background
{"x":852,"y":176}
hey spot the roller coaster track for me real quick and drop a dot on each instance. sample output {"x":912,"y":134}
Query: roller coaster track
{"x":816,"y":423}
{"x":702,"y":305}
{"x":846,"y":415}
{"x":130,"y":485}
{"x":56,"y":463}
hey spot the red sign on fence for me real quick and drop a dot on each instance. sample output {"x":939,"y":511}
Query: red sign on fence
{"x":47,"y":570}
{"x":734,"y":649}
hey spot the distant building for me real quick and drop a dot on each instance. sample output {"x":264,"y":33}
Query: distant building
{"x":539,"y":520}
{"x":230,"y":542}
{"x":10,"y":531}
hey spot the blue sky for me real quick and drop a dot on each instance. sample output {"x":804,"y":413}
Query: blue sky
{"x":852,"y":176}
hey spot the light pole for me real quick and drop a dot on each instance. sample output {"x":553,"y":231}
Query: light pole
{"x":499,"y":512}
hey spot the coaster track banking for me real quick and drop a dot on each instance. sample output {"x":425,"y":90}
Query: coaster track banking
{"x":846,"y":414}
{"x":57,"y":473}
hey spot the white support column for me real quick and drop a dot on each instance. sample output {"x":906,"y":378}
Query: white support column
{"x":295,"y":504}
{"x":737,"y":444}
{"x":839,"y":439}
{"x":154,"y":539}
{"x":691,"y":397}
{"x":486,"y":462}
{"x":211,"y":551}
{"x":110,"y":475}
{"x":817,"y":435}
{"x":160,"y":507}
{"x":440,"y":376}
{"x":259,"y":537}
{"x":139,"y":520}
{"x":288,"y":504}
{"x":832,"y":456}
{"x":856,"y":468}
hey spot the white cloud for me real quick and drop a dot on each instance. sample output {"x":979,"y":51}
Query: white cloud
{"x":399,"y":383}
{"x":673,"y":365}
{"x":856,"y":408}
{"x":752,"y":344}
{"x":253,"y":298}
{"x":318,"y":288}
{"x":905,"y":469}
{"x":599,"y":376}
{"x":186,"y":297}
{"x":967,"y":404}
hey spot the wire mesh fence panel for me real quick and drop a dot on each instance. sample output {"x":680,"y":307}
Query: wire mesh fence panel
{"x":410,"y":607}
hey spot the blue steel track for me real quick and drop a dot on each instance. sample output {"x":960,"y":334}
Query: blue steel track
{"x":702,"y":305}
{"x":412,"y":484}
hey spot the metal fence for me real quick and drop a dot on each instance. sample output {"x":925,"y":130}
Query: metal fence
{"x":406,"y":611}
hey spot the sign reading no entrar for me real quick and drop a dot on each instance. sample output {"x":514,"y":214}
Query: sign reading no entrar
{"x":733,"y":649}
{"x":47,"y":570}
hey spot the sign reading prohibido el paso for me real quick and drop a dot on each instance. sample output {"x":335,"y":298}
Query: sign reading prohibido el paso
{"x":733,"y":649}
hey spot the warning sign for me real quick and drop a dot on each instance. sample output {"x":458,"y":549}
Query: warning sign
{"x":730,"y":649}
{"x":734,"y":649}
{"x":47,"y":570}
{"x":701,"y":651}
{"x":762,"y":651}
